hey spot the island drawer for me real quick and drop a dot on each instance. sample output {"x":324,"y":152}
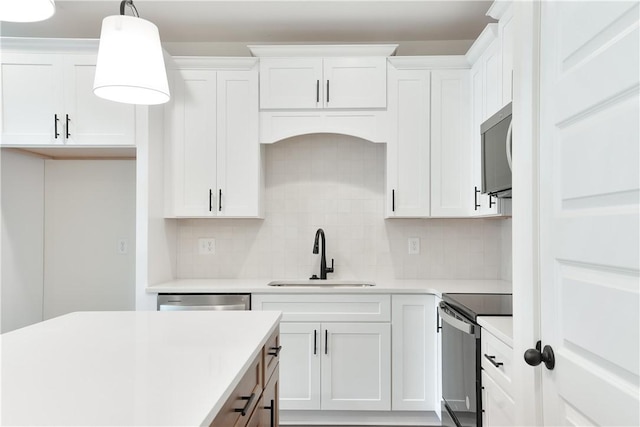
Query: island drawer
{"x":238,"y":408}
{"x":326,"y":307}
{"x":271,"y":355}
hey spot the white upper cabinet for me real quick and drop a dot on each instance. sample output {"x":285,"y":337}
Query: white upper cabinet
{"x":330,"y":83}
{"x":485,"y":101}
{"x":47,"y":99}
{"x":503,"y":12}
{"x":408,"y":149}
{"x":451,"y":151}
{"x":214,"y":167}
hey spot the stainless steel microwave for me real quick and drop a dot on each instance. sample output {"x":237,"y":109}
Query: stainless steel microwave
{"x":496,"y":153}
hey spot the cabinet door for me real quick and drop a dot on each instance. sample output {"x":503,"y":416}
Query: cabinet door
{"x":413,"y":349}
{"x":269,"y":410}
{"x":497,"y":407}
{"x":192,"y":144}
{"x":300,"y":366}
{"x":291,"y":83}
{"x":355,"y":82}
{"x":356,"y":366}
{"x":408,"y":146}
{"x":32,"y":99}
{"x":91,"y":119}
{"x":451,"y":189}
{"x":238,"y":147}
{"x":506,"y":31}
{"x":482,"y":204}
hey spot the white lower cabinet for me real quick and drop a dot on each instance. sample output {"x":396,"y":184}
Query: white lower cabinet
{"x":336,"y":351}
{"x":414,"y":366}
{"x":497,"y":365}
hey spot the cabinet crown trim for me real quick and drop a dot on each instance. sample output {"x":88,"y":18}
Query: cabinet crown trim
{"x":486,"y":37}
{"x":46,"y":45}
{"x":498,"y":8}
{"x":208,"y":62}
{"x":429,"y":62}
{"x":284,"y":51}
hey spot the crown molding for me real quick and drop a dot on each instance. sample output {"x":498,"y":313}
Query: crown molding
{"x":486,"y":37}
{"x":327,"y":50}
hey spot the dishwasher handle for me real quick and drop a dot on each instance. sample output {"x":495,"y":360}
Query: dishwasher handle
{"x":461,"y":324}
{"x":218,"y":307}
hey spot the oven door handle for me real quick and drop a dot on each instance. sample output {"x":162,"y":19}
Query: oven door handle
{"x":460,"y":324}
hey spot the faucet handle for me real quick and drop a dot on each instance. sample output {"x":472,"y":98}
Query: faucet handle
{"x":330,"y":269}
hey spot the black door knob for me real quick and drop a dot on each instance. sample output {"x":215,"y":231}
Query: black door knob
{"x":534,"y":356}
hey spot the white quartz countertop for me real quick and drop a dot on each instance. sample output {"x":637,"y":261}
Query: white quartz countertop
{"x":436,"y":287}
{"x":128,"y":368}
{"x":499,"y":326}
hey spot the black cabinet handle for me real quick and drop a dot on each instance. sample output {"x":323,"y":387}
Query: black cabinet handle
{"x":67,"y":127}
{"x":393,"y":200}
{"x":327,"y":91}
{"x":315,"y":342}
{"x":220,"y":200}
{"x":272,"y":413}
{"x":326,"y":341}
{"x":274,"y":351}
{"x":438,"y":327}
{"x":210,"y":200}
{"x":475,"y":198}
{"x":491,"y":202}
{"x":55,"y":126}
{"x":492,"y":360}
{"x":317,"y":91}
{"x":247,"y":405}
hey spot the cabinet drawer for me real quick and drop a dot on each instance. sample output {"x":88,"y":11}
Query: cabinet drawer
{"x":498,"y":408}
{"x":245,"y":397}
{"x":271,"y":355}
{"x":496,"y":352}
{"x":326,"y":308}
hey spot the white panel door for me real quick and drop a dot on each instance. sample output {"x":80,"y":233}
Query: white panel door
{"x":300,"y":366}
{"x":238,"y":148}
{"x":589,"y":208}
{"x":88,"y":119}
{"x":413,"y":346}
{"x":451,"y":150}
{"x":32,"y":99}
{"x":193,"y":144}
{"x":356,"y":366}
{"x":408,"y":147}
{"x":355,"y":82}
{"x":291,"y":83}
{"x":506,"y":33}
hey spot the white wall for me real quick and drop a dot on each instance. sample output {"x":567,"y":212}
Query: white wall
{"x":89,"y":208}
{"x":336,"y":183}
{"x":22,"y":239}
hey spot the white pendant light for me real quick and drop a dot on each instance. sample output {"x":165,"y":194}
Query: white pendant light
{"x":130,"y":67}
{"x":26,"y":10}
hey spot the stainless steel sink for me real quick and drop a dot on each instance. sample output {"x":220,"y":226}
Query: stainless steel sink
{"x":321,"y":283}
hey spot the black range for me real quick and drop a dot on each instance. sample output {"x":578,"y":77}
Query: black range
{"x":461,"y":387}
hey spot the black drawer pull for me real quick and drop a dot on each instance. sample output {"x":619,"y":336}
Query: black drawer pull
{"x":493,"y":362}
{"x":475,"y":198}
{"x":272,"y":413}
{"x":68,"y":135}
{"x":274,"y":351}
{"x":326,"y":341}
{"x":315,"y":341}
{"x":247,"y":405}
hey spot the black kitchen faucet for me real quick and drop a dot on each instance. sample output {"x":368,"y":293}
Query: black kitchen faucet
{"x":323,"y":259}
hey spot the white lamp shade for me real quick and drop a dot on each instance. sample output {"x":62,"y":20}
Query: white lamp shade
{"x":26,"y":10}
{"x":130,"y":66}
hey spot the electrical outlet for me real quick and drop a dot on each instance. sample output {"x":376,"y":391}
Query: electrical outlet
{"x":206,"y":246}
{"x":414,"y":245}
{"x":123,"y":246}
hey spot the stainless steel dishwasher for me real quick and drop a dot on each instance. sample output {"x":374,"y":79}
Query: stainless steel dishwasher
{"x":181,"y":302}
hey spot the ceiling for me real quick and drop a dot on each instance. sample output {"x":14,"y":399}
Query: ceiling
{"x":266,"y":21}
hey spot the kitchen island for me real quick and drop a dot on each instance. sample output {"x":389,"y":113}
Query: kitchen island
{"x":129,"y":368}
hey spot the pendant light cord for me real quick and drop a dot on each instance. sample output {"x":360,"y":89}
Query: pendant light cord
{"x":129,"y":3}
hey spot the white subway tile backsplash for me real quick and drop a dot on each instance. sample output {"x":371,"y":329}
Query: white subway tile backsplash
{"x":337,"y":183}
